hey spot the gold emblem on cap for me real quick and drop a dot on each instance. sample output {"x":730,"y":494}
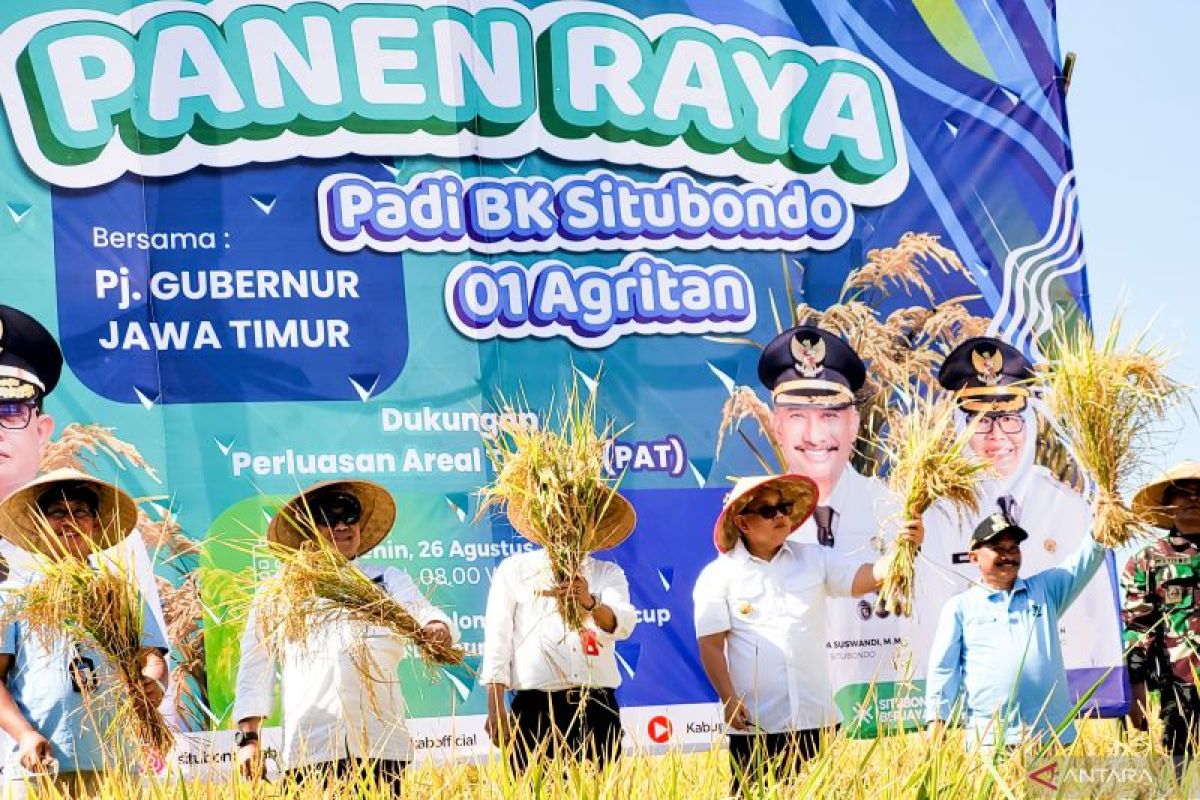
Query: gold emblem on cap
{"x":808,"y":355}
{"x":744,"y":608}
{"x":15,"y":389}
{"x":1050,"y":545}
{"x":987,"y":367}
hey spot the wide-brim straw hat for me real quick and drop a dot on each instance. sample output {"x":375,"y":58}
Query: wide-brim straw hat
{"x":1148,"y":502}
{"x":288,"y":527}
{"x":800,"y":490}
{"x":22,"y":522}
{"x":615,"y":526}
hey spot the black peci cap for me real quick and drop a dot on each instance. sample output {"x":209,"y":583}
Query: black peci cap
{"x":30,"y":359}
{"x":809,"y":366}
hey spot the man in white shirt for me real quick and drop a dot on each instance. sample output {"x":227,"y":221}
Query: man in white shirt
{"x":760,"y":613}
{"x":814,"y":377}
{"x":334,"y":723}
{"x":563,"y":681}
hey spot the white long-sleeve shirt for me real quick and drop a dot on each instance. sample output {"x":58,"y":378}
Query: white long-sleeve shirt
{"x":526,"y":643}
{"x":328,"y":712}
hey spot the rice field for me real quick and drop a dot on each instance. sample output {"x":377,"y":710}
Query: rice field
{"x":1105,"y":762}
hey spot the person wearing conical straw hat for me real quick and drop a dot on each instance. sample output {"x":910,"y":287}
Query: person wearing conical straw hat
{"x":46,"y":687}
{"x":760,"y":615}
{"x":31,"y":366}
{"x":1161,"y":585}
{"x":992,"y":384}
{"x":814,"y":378}
{"x":563,"y":680}
{"x":335,"y":723}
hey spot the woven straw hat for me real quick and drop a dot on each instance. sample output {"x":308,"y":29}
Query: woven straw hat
{"x":21,"y":522}
{"x":1148,"y":502}
{"x":288,"y":527}
{"x":801,"y":491}
{"x":615,"y":526}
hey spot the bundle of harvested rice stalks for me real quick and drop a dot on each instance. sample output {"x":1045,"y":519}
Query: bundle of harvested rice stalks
{"x":101,"y":609}
{"x":551,"y":483}
{"x":316,"y":585}
{"x":1109,"y":401}
{"x":930,"y":459}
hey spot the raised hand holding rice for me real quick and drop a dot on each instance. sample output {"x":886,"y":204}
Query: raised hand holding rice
{"x":1109,"y":400}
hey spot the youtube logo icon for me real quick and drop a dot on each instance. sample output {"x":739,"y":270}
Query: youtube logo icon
{"x":659,"y":729}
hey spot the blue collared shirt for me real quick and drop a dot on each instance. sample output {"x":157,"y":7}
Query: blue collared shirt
{"x":40,"y":682}
{"x":1001,"y":649}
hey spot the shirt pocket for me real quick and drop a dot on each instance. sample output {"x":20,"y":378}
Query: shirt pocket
{"x":749,"y":602}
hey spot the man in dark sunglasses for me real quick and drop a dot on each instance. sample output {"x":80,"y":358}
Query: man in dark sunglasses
{"x":760,"y":619}
{"x":336,"y":515}
{"x":334,"y":723}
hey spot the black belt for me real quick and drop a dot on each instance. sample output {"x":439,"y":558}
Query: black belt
{"x":575,"y":695}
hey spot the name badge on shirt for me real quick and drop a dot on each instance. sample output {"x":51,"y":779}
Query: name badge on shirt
{"x":960,"y":558}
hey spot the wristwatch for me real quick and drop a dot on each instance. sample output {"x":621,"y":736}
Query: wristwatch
{"x":595,"y":602}
{"x":243,"y":738}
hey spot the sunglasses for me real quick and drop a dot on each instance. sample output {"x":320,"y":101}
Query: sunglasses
{"x":1177,"y":493}
{"x":336,"y":515}
{"x":770,"y":511}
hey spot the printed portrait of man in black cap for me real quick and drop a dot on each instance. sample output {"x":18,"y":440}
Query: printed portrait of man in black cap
{"x":814,"y":377}
{"x":992,"y":384}
{"x":30,"y":366}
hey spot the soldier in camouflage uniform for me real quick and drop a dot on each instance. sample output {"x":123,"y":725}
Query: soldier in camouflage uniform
{"x":1161,"y":585}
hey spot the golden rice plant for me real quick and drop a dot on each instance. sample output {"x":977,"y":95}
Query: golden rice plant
{"x":79,"y":442}
{"x":930,"y":459}
{"x":1110,"y":401}
{"x":550,"y":480}
{"x":100,"y":608}
{"x":316,"y":585}
{"x":744,"y":404}
{"x":904,"y":267}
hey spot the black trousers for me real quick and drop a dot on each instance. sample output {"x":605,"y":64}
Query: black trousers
{"x":753,"y":755}
{"x":387,"y":774}
{"x":1181,"y":722}
{"x":571,"y":724}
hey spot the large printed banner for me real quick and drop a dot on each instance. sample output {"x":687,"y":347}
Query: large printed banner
{"x":284,"y":242}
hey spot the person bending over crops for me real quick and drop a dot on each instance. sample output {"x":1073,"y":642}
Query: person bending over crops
{"x":1161,"y":584}
{"x":57,"y":692}
{"x":760,"y":613}
{"x":343,"y":710}
{"x":563,"y":675}
{"x":996,"y":658}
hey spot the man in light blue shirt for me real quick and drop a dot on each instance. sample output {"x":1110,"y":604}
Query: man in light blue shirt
{"x":997,"y":643}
